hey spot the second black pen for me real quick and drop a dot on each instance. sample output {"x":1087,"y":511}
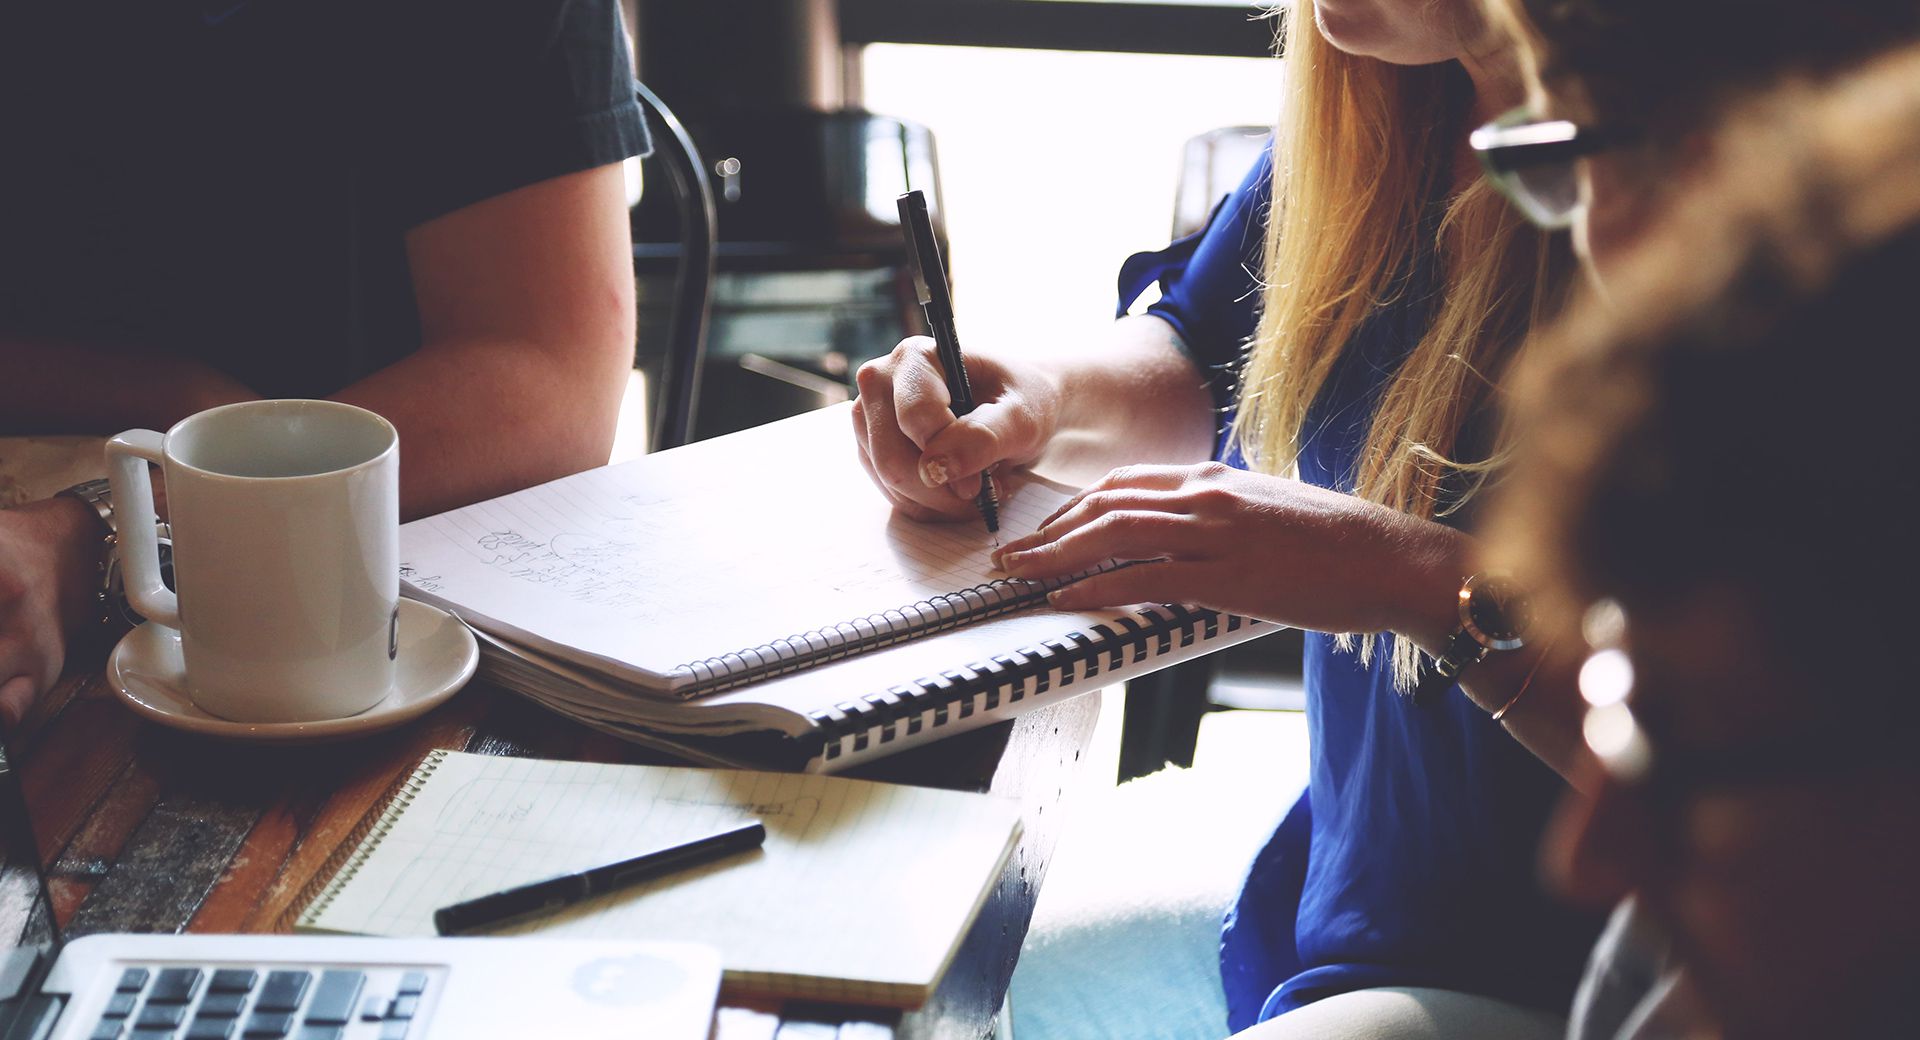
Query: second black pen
{"x":556,"y":893}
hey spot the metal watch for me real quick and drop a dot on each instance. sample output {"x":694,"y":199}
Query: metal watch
{"x":110,"y":599}
{"x":1494,"y":616}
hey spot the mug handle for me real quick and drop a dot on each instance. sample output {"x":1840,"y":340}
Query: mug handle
{"x":139,"y":544}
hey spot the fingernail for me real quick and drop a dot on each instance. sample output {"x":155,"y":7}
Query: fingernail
{"x":933,"y":472}
{"x":1054,"y":597}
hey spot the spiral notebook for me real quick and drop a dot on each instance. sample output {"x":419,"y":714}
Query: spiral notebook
{"x":757,"y":584}
{"x":862,"y":892}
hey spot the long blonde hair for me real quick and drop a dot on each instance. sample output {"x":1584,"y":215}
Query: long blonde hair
{"x":1363,"y":152}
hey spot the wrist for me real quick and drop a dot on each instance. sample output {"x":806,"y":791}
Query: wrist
{"x":76,"y":544}
{"x":1428,"y":597}
{"x":65,"y":524}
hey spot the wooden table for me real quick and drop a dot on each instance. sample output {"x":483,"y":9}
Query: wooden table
{"x":147,"y":830}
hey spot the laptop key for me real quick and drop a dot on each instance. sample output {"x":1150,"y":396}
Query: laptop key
{"x":269,"y":1023}
{"x":175,"y":986}
{"x":161,"y":1016}
{"x":403,"y":1007}
{"x":321,"y":1033}
{"x":120,"y":1005}
{"x":395,"y":1028}
{"x":204,"y":1028}
{"x":233,"y":980}
{"x":133,"y":980}
{"x":108,"y":1029}
{"x":222,"y":1005}
{"x":413,"y":982}
{"x":283,"y":991}
{"x":374,"y":1009}
{"x":334,"y":998}
{"x":151,"y":1034}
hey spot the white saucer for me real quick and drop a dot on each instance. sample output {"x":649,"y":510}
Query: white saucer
{"x":437,"y":657}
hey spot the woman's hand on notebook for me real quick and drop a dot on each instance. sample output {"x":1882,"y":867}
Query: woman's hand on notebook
{"x":926,"y":461}
{"x":1248,"y":543}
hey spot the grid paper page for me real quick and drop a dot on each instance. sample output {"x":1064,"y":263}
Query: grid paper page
{"x":725,"y":545}
{"x":861,"y":891}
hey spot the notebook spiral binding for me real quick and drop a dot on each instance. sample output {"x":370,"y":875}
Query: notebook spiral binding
{"x":352,"y":853}
{"x":935,"y":614}
{"x":1031,"y":671}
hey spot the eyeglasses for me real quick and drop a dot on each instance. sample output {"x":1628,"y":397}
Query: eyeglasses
{"x":1630,"y":758}
{"x":1534,"y":162}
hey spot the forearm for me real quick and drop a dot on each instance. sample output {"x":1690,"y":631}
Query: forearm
{"x":527,"y":329}
{"x":481,"y":418}
{"x":1132,"y":395}
{"x":50,"y":388}
{"x":1546,"y":717}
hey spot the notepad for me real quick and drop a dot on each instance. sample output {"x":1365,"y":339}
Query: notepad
{"x":697,"y":570}
{"x":759,"y":584}
{"x":861,"y":893}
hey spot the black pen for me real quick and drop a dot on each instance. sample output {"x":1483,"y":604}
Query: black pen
{"x":936,"y":299}
{"x":541,"y":897}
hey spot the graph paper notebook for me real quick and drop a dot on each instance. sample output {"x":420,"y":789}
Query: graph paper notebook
{"x":861,"y":893}
{"x":759,"y":584}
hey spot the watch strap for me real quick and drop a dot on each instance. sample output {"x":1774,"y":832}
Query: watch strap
{"x":98,"y":495}
{"x":1461,"y":653}
{"x":110,"y":597}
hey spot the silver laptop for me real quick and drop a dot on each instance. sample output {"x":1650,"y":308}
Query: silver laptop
{"x":301,"y":987}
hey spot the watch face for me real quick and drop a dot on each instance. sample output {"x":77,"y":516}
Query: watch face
{"x":1496,"y":611}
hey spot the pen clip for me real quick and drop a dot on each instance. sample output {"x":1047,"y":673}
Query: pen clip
{"x":913,"y":205}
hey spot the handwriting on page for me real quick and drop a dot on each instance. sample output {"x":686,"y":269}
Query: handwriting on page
{"x":654,"y":566}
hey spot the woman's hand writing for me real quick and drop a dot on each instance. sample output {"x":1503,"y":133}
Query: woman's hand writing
{"x":926,"y":461}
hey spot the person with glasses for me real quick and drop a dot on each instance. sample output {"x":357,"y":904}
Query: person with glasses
{"x":1379,"y":287}
{"x":1620,"y":91}
{"x":1713,"y":496}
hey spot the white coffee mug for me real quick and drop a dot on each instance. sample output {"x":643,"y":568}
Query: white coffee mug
{"x":286,"y":554}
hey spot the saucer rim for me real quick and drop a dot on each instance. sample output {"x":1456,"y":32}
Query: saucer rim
{"x":382,"y":715}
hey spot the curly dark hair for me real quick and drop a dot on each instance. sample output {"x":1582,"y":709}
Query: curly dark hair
{"x":1739,"y":412}
{"x":1668,"y":65}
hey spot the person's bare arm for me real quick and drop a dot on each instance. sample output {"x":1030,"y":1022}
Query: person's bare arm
{"x":1132,"y":396}
{"x":54,"y":387}
{"x":1295,"y":554}
{"x":527,"y":327}
{"x":1546,"y":717}
{"x":526,"y":309}
{"x":526,"y":314}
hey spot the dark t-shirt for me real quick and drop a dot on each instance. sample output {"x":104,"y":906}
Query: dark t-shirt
{"x":232,"y":180}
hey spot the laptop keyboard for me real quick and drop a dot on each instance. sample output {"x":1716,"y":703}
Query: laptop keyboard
{"x":175,"y":1003}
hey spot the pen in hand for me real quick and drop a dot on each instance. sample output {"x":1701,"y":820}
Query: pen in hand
{"x":936,"y":300}
{"x":557,"y":893}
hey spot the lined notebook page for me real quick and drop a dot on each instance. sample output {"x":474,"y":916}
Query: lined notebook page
{"x":861,"y":892}
{"x":703,"y":551}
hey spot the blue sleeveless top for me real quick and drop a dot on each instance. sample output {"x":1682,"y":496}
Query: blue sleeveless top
{"x":1410,"y":859}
